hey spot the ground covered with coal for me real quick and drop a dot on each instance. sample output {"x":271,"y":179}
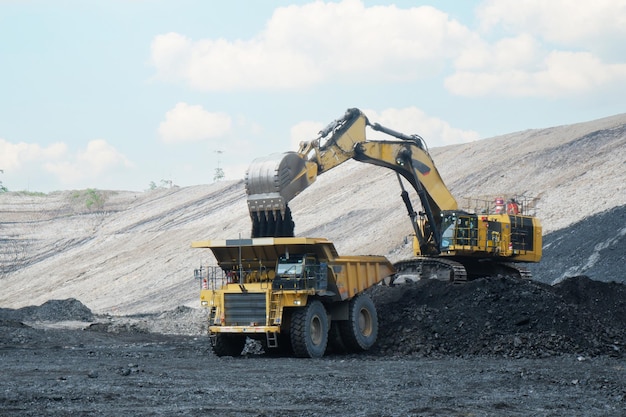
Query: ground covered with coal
{"x":502,"y":317}
{"x":600,"y":254}
{"x":490,"y":347}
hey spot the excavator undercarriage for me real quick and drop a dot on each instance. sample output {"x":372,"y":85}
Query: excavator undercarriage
{"x":451,"y":270}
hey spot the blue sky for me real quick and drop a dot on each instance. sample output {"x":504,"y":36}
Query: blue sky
{"x":116,"y":94}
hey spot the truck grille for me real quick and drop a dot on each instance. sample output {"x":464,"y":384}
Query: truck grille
{"x":244,"y":309}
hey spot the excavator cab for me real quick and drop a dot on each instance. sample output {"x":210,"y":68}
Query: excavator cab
{"x":459,"y":229}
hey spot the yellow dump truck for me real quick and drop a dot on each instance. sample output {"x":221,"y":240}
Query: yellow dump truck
{"x":295,"y":295}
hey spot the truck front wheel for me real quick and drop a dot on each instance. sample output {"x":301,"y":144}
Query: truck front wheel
{"x":309,"y":330}
{"x":360,"y":331}
{"x":226,"y":344}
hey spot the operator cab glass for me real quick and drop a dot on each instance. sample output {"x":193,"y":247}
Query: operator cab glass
{"x":290,"y":266}
{"x":447,"y":225}
{"x":459,"y":229}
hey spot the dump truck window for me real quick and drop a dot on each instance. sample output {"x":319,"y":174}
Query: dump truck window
{"x":289,"y":269}
{"x":291,"y":266}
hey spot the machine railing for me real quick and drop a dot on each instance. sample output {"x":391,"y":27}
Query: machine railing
{"x":314,"y":277}
{"x":210,"y":277}
{"x":501,"y":204}
{"x":213,"y":277}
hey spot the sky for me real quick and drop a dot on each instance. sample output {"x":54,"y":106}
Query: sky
{"x":125,"y":94}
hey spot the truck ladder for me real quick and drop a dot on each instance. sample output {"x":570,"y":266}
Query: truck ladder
{"x":275,"y":310}
{"x":212,"y":314}
{"x":272,"y":339}
{"x":275,"y":313}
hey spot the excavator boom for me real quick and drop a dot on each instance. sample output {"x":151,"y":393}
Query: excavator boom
{"x":272,"y":181}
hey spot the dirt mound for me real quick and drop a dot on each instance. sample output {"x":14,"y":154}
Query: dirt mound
{"x":53,"y":310}
{"x":182,"y":320}
{"x":503,"y":317}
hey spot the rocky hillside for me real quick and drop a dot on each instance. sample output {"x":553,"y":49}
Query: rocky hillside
{"x":129,"y":252}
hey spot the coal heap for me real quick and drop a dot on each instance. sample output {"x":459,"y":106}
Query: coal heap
{"x":52,"y":310}
{"x":503,"y":317}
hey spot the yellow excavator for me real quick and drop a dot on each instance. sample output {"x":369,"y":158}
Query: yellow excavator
{"x":449,"y":243}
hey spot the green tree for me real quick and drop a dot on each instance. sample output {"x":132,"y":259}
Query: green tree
{"x":219,"y":174}
{"x":94,"y":199}
{"x":3,"y":189}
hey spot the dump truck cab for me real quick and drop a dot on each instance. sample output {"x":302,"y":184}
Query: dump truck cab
{"x":300,"y":271}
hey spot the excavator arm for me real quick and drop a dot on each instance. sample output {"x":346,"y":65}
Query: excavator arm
{"x":273,"y":181}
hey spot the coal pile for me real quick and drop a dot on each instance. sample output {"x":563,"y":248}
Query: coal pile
{"x":52,"y":310}
{"x":502,"y":317}
{"x":593,"y":247}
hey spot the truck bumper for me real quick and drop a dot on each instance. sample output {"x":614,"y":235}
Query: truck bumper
{"x":244,"y":329}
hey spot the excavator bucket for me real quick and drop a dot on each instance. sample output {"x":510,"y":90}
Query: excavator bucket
{"x":271,"y":182}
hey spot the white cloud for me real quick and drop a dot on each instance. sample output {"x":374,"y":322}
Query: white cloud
{"x":520,"y":52}
{"x":567,"y":22}
{"x":303,"y":132}
{"x":187,"y":123}
{"x":37,"y":163}
{"x":557,"y":74}
{"x":305,"y":45}
{"x":97,"y":159}
{"x":411,"y":120}
{"x":14,"y":156}
{"x":560,"y":49}
{"x":235,"y":171}
{"x":169,"y":55}
{"x":347,"y":42}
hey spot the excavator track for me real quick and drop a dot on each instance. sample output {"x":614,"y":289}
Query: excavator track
{"x":518,"y":270}
{"x":454,"y":271}
{"x":430,"y":268}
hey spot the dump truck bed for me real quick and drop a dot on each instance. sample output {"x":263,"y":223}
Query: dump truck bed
{"x":349,"y":275}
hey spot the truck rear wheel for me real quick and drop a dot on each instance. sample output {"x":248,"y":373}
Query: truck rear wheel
{"x":309,"y":330}
{"x":226,"y":344}
{"x":360,"y":331}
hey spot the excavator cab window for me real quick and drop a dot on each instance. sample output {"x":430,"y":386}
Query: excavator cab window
{"x":448,"y":225}
{"x":459,"y":230}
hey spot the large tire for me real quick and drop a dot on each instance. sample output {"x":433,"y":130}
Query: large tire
{"x":309,"y":330}
{"x":360,"y":331}
{"x":226,"y":344}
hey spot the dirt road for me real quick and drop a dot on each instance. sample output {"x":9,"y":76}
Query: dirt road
{"x":81,"y":372}
{"x":492,"y":347}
